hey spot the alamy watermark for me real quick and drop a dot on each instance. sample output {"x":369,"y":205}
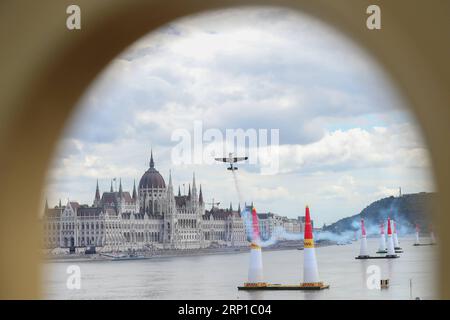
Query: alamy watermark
{"x":373,"y":22}
{"x":73,"y":281}
{"x":73,"y":21}
{"x":373,"y":281}
{"x":200,"y":146}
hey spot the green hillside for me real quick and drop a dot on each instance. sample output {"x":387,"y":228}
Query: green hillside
{"x":406,"y":210}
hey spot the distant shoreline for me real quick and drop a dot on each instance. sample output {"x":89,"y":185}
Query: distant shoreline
{"x":175,"y":253}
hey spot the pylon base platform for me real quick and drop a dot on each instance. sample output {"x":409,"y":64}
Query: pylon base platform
{"x":302,"y":286}
{"x":382,"y":251}
{"x":377,"y":257}
{"x":423,"y":244}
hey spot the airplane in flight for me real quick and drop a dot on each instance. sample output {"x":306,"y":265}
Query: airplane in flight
{"x":231,"y":160}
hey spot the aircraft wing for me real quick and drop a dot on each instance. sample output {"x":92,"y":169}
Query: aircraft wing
{"x":231,"y":160}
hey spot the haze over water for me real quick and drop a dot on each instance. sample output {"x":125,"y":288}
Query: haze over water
{"x":217,"y":276}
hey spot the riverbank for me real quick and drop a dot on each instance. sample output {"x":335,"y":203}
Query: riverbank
{"x":159,"y":254}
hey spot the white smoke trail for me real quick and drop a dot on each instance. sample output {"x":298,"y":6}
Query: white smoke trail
{"x":247,"y":218}
{"x":279,"y":233}
{"x":334,"y":237}
{"x":236,"y":184}
{"x":245,"y":213}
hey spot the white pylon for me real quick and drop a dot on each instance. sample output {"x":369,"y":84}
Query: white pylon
{"x":382,"y":247}
{"x":394,"y":235}
{"x":433,"y":239}
{"x":390,"y":241}
{"x":363,"y":248}
{"x":255,"y":270}
{"x":417,"y":235}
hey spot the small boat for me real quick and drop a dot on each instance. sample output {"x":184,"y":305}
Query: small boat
{"x":129,"y":257}
{"x":125,"y":256}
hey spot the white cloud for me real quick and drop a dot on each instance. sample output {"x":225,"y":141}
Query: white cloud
{"x":357,"y":148}
{"x":269,"y":194}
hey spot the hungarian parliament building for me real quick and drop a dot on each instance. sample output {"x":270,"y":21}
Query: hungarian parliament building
{"x":152,"y":217}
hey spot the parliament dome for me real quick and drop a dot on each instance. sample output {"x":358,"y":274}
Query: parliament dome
{"x":152,"y":178}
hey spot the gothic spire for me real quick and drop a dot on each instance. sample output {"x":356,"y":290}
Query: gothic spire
{"x":189,"y":192}
{"x":152,"y":163}
{"x":239,"y":207}
{"x":200,"y":197}
{"x":134,"y":190}
{"x":194,"y":188}
{"x":97,"y":192}
{"x":46,"y":205}
{"x":179,"y":191}
{"x":231,"y":206}
{"x":120,"y":188}
{"x":111,"y":190}
{"x":170,"y":186}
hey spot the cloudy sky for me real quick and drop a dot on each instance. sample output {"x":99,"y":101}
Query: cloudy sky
{"x":345,"y":137}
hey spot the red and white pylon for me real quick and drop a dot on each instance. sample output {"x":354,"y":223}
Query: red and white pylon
{"x":390,"y":241}
{"x":394,"y":236}
{"x":417,"y":234}
{"x":310,"y":270}
{"x":382,"y":246}
{"x":363,"y":247}
{"x":255,"y":270}
{"x":432,"y":237}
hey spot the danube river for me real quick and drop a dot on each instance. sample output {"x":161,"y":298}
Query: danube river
{"x":217,"y":276}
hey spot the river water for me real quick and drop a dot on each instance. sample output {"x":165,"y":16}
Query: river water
{"x":217,"y":276}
